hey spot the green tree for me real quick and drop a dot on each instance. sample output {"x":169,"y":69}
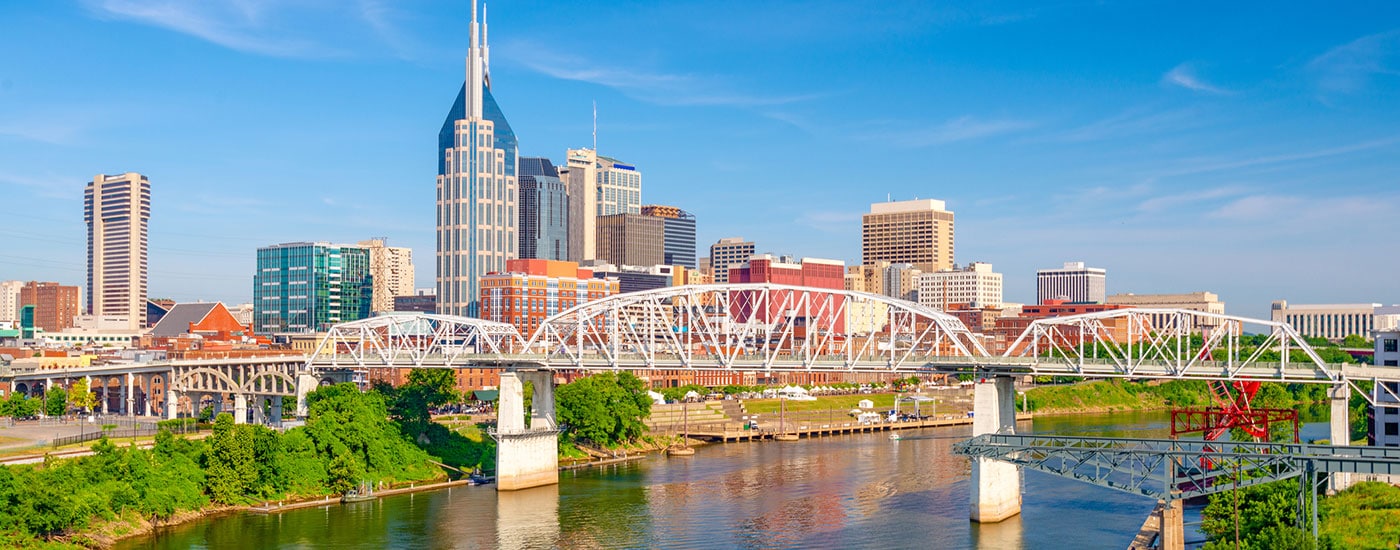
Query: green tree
{"x":231,"y":471}
{"x":56,"y":402}
{"x":1264,"y":515}
{"x":412,"y":403}
{"x":605,"y":409}
{"x":80,"y":396}
{"x":1356,"y":341}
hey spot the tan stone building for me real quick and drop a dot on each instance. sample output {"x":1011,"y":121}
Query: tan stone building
{"x":1206,"y":302}
{"x":390,"y":271}
{"x":117,"y":210}
{"x":916,"y":232}
{"x":631,"y":239}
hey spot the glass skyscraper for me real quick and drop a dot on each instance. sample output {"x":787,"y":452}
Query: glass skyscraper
{"x":544,"y":211}
{"x":307,"y":287}
{"x":476,"y":186}
{"x":680,"y":233}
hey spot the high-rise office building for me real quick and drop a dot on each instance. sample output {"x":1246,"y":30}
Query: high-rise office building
{"x":9,"y":300}
{"x":1073,"y":283}
{"x":680,"y":233}
{"x":728,"y":252}
{"x":544,"y":211}
{"x":631,"y":239}
{"x":117,"y":210}
{"x":598,"y":186}
{"x":917,"y":232}
{"x":391,"y":271}
{"x":476,"y":186}
{"x":307,"y":287}
{"x":55,"y":305}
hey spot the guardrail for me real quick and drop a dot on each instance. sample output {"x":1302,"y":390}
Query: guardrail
{"x":99,"y":434}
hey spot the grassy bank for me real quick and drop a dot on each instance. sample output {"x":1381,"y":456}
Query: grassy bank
{"x":122,"y":491}
{"x":1363,"y":516}
{"x":1120,"y":395}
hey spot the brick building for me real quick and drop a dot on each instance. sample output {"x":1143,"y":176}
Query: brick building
{"x":55,"y":305}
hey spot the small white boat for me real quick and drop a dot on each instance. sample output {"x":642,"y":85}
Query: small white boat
{"x":894,"y":437}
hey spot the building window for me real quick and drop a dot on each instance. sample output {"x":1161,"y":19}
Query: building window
{"x":1391,"y":345}
{"x":1392,"y":428}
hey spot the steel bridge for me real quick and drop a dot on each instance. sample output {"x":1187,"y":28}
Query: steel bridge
{"x":1175,"y":470}
{"x":775,"y":328}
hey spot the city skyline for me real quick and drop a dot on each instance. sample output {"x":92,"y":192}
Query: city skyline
{"x":1245,"y":155}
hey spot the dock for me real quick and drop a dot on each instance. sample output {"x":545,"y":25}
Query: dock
{"x":735,"y":432}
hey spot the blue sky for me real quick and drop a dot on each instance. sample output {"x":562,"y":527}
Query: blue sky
{"x":1250,"y":149}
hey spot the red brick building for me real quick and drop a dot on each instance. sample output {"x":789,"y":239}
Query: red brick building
{"x":55,"y":305}
{"x":531,"y":291}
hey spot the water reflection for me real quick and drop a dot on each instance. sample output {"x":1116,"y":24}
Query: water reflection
{"x":854,"y":491}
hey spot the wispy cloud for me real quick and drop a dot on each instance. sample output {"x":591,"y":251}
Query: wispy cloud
{"x":1350,"y":67}
{"x":1184,"y":75}
{"x":658,"y":87}
{"x":270,"y":27}
{"x":241,"y":25}
{"x":1172,"y":201}
{"x":829,"y":221}
{"x":1201,"y":166}
{"x":48,"y":186}
{"x":1129,"y":123}
{"x":1303,"y":212}
{"x":963,"y":128}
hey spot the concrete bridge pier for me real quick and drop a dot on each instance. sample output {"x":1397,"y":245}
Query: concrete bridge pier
{"x":276,"y":410}
{"x":996,"y":486}
{"x":172,"y":405}
{"x":526,"y":457}
{"x":1340,"y":428}
{"x":1172,"y":532}
{"x":240,"y":409}
{"x":306,"y":383}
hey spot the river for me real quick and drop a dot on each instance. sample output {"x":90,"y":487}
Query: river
{"x":855,"y":491}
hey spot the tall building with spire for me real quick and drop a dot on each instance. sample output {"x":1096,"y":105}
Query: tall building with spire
{"x":477,"y":191}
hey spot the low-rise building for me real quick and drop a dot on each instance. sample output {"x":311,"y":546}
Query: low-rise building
{"x":1331,"y":321}
{"x":1205,"y":302}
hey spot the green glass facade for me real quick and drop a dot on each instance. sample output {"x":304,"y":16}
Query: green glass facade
{"x":307,"y":287}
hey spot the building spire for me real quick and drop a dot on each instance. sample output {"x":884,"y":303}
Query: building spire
{"x":475,"y":70}
{"x":485,"y":50}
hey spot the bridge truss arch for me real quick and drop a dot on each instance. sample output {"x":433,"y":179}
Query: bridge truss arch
{"x":1169,"y":343}
{"x":417,"y":340}
{"x":752,"y":327}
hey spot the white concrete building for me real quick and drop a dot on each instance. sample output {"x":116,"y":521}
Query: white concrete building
{"x":9,"y":300}
{"x":597,"y":186}
{"x":117,"y":210}
{"x":1205,"y":302}
{"x":1331,"y":321}
{"x":1072,"y":283}
{"x":975,"y":284}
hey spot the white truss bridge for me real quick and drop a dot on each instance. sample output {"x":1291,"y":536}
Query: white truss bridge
{"x":768,"y":327}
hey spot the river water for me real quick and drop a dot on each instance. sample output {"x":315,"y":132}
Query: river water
{"x":855,"y":491}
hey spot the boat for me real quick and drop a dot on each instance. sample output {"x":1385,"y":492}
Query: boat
{"x":895,"y":437}
{"x":362,"y":493}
